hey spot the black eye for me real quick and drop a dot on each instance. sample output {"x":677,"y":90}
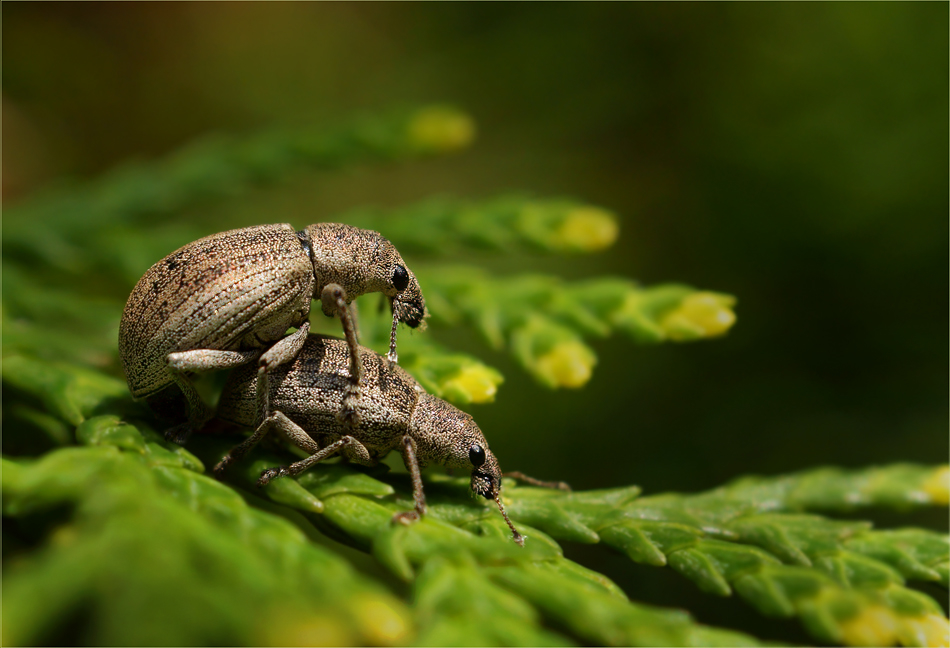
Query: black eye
{"x":400,"y":278}
{"x":476,"y":455}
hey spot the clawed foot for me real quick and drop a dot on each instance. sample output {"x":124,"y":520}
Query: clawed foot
{"x":180,"y":433}
{"x":270,"y":474}
{"x":406,"y":517}
{"x":221,"y":466}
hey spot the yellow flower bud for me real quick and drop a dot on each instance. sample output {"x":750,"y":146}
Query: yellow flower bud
{"x":875,"y":625}
{"x":567,"y":364}
{"x":380,"y":622}
{"x":927,"y":630}
{"x":586,"y":229}
{"x":938,"y":486}
{"x":700,"y":315}
{"x":473,"y":384}
{"x":301,"y":629}
{"x":441,"y":129}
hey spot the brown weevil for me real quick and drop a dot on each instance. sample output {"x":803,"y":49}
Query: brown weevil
{"x":312,"y":408}
{"x":229,"y":299}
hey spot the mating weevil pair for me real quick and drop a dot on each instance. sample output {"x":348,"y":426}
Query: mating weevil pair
{"x":227,"y":300}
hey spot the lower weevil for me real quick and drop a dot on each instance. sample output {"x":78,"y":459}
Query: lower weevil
{"x":229,"y":299}
{"x":312,"y":408}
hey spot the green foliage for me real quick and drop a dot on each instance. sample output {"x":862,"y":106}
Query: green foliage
{"x":114,"y":536}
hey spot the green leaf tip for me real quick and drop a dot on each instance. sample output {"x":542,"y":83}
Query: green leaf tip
{"x":458,"y":378}
{"x":443,"y":226}
{"x":70,"y":392}
{"x":545,"y":320}
{"x":440,"y":129}
{"x":110,"y":430}
{"x":898,"y":486}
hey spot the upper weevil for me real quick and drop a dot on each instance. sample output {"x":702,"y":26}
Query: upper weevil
{"x":230,"y":298}
{"x":311,"y":408}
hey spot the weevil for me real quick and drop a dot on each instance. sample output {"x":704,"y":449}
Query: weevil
{"x":229,"y":299}
{"x":312,"y":407}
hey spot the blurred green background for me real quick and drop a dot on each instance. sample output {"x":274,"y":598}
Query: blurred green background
{"x":794,"y":155}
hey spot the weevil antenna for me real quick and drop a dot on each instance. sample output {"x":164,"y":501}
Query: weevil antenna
{"x":515,"y":535}
{"x":391,"y":356}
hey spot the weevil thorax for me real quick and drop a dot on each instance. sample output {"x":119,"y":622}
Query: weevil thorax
{"x":363,"y":261}
{"x":448,"y":436}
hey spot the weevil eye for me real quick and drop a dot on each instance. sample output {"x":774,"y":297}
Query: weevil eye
{"x":400,"y":278}
{"x":476,"y":455}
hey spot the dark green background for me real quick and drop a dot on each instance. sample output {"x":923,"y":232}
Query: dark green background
{"x":795,"y":155}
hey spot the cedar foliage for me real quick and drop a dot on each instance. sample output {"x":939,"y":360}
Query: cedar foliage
{"x":114,"y":536}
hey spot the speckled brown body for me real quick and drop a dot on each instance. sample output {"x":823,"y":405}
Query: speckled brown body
{"x":223,"y":300}
{"x":392,"y":405}
{"x":236,"y":290}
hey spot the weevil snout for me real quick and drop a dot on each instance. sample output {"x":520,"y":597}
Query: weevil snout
{"x":486,"y":481}
{"x":486,"y":475}
{"x":409,"y":307}
{"x":485,"y":485}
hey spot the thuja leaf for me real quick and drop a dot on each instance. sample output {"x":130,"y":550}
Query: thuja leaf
{"x":918,"y":554}
{"x":544,"y":320}
{"x":454,"y":599}
{"x":445,"y":226}
{"x":70,"y":392}
{"x":464,"y":566}
{"x":834,"y":575}
{"x":56,"y":322}
{"x":898,"y":486}
{"x":215,"y":168}
{"x":457,"y":377}
{"x":602,"y":619}
{"x":152,"y":553}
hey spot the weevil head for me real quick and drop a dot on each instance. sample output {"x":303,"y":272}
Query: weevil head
{"x":363,"y":261}
{"x":409,"y":306}
{"x":486,"y":478}
{"x":448,"y":436}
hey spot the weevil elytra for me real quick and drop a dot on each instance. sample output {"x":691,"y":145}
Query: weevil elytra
{"x":312,"y":407}
{"x":229,"y":299}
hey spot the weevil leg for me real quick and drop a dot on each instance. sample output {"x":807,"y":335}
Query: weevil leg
{"x":344,"y":443}
{"x":184,"y":362}
{"x":209,"y":359}
{"x":237,"y":452}
{"x":284,"y":350}
{"x":335,"y":294}
{"x":520,"y":476}
{"x":418,"y":495}
{"x":278,"y":422}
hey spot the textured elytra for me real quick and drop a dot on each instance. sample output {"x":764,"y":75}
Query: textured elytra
{"x":240,"y":291}
{"x":310,"y":392}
